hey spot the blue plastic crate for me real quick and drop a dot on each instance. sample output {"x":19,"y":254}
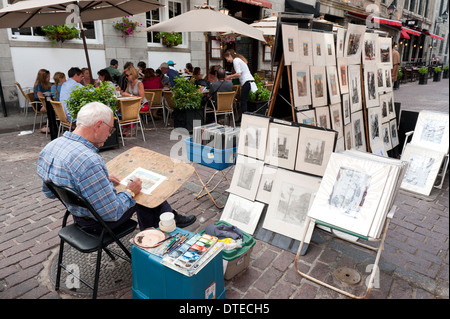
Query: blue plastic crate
{"x":215,"y":158}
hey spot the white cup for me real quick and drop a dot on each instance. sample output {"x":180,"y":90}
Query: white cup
{"x":166,"y":219}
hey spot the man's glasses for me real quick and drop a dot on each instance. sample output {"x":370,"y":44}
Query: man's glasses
{"x":112,"y":129}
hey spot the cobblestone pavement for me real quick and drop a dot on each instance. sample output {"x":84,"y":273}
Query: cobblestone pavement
{"x":414,"y":263}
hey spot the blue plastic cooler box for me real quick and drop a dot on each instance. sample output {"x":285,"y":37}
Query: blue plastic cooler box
{"x":218,"y":159}
{"x":153,"y":280}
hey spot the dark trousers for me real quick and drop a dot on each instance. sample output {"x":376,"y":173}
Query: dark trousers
{"x":147,"y":217}
{"x":245,"y":90}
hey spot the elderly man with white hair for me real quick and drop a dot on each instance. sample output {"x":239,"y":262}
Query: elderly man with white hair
{"x":72,"y":160}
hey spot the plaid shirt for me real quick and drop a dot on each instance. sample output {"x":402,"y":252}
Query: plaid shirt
{"x":72,"y":161}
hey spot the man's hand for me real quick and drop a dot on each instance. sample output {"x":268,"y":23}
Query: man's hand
{"x":135,"y":186}
{"x":114,"y":179}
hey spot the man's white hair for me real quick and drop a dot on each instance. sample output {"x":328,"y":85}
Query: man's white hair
{"x":93,"y":112}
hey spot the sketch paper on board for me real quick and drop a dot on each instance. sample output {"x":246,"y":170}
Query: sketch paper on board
{"x":318,"y":86}
{"x":300,"y":85}
{"x":354,"y":40}
{"x":350,"y":193}
{"x":266,"y":184}
{"x":293,"y":194}
{"x":354,"y":79}
{"x":370,"y":49}
{"x":290,"y":43}
{"x":246,"y":177}
{"x":253,"y":136}
{"x":333,"y":86}
{"x":370,"y":85}
{"x":150,"y":180}
{"x":330,"y":50}
{"x":318,"y":47}
{"x":282,"y":145}
{"x":314,"y":150}
{"x":342,"y":74}
{"x":305,"y":47}
{"x":432,"y":131}
{"x":423,"y":168}
{"x":242,"y":213}
{"x":358,"y":133}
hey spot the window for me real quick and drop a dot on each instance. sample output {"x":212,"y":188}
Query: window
{"x":170,"y":10}
{"x":420,"y":8}
{"x":412,"y":4}
{"x":425,"y":14}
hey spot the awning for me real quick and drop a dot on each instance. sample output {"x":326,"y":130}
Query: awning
{"x":411,"y":31}
{"x":395,"y":23}
{"x":436,"y":37}
{"x":259,"y":3}
{"x":404,"y":34}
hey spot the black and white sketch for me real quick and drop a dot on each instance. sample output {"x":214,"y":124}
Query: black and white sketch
{"x":394,"y":132}
{"x":370,"y":85}
{"x":281,"y":145}
{"x":370,"y":49}
{"x":385,"y":49}
{"x":358,"y":134}
{"x":266,"y":184}
{"x":354,"y":78}
{"x":386,"y":136}
{"x":253,"y":136}
{"x":354,"y":40}
{"x":432,"y":131}
{"x":246,"y":177}
{"x":374,"y":126}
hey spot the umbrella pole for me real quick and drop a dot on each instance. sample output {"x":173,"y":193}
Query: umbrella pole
{"x":83,"y":38}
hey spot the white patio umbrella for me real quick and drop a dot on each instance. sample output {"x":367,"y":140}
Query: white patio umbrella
{"x":36,"y":13}
{"x":268,"y":25}
{"x":206,"y":19}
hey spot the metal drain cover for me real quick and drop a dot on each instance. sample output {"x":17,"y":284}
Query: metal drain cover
{"x":347,"y":275}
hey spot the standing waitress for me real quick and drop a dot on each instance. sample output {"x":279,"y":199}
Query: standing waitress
{"x":243,"y":73}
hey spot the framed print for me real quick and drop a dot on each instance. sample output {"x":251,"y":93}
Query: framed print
{"x":354,"y":39}
{"x":351,"y":192}
{"x":391,"y":108}
{"x":253,"y":136}
{"x":293,"y":194}
{"x":305,"y":46}
{"x":386,"y":136}
{"x":340,"y":40}
{"x":318,"y":47}
{"x":384,"y":108}
{"x":380,"y":78}
{"x":330,"y":50}
{"x":431,"y":131}
{"x":370,"y":86}
{"x":346,"y":108}
{"x":246,"y":176}
{"x":422,"y":170}
{"x":282,"y":145}
{"x":354,"y":79}
{"x":385,"y":47}
{"x":314,"y":149}
{"x":358,"y":133}
{"x":323,"y":117}
{"x":370,"y":48}
{"x":307,"y":117}
{"x":394,"y":132}
{"x":290,"y":43}
{"x":337,"y":122}
{"x":348,"y":136}
{"x":266,"y":184}
{"x":242,"y":213}
{"x":333,"y":86}
{"x":318,"y":86}
{"x":387,"y":79}
{"x":342,"y":74}
{"x":301,"y":85}
{"x":374,"y":127}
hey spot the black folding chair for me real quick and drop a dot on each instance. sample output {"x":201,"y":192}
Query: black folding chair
{"x":86,"y":242}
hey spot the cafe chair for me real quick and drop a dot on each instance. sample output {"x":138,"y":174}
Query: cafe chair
{"x":61,"y":115}
{"x":27,"y":102}
{"x":130,"y":108}
{"x":35,"y":105}
{"x":86,"y":242}
{"x":150,"y":96}
{"x":169,"y":104}
{"x":157,"y":100}
{"x":224,"y":104}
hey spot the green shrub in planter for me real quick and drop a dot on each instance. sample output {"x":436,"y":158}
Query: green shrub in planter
{"x":262,"y":94}
{"x":423,"y":70}
{"x":437,"y":69}
{"x":104,"y":93}
{"x":186,"y":95}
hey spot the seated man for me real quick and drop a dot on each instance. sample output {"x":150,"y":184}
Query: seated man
{"x":171,"y":74}
{"x":72,"y":161}
{"x":220,"y":85}
{"x":75,"y":77}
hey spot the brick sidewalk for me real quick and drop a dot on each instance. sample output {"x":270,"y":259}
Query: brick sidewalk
{"x":414,"y":263}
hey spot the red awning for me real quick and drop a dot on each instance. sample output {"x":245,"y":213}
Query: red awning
{"x":394,"y":23}
{"x":259,"y":3}
{"x":404,"y":34}
{"x":411,"y":31}
{"x":436,"y":36}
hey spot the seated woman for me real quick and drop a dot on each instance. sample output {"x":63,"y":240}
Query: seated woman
{"x":42,"y":85}
{"x":86,"y":76}
{"x":59,"y":78}
{"x":151,"y":81}
{"x":212,"y":74}
{"x":189,"y":69}
{"x":103,"y":75}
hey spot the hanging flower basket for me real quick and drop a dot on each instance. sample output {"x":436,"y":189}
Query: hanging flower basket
{"x":126,"y":26}
{"x":225,"y":39}
{"x":270,"y":40}
{"x":60,"y":33}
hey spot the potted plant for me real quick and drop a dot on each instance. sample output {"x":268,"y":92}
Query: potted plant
{"x":105,"y":94}
{"x":445,"y":74}
{"x":437,"y":74}
{"x":170,"y":39}
{"x":126,"y":26}
{"x":423,"y":75}
{"x":187,"y":99}
{"x":60,"y":33}
{"x":257,"y":101}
